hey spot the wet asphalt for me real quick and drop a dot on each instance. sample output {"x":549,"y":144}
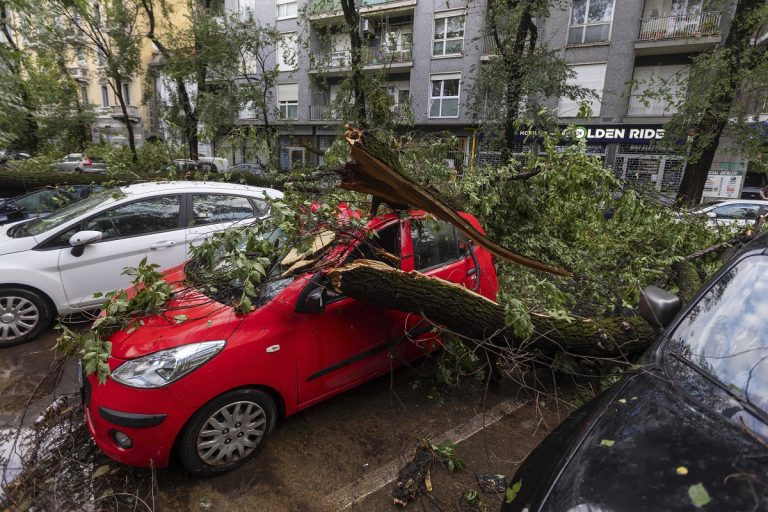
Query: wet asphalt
{"x":338,"y":455}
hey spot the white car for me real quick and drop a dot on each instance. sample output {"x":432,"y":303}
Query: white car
{"x":733,"y":212}
{"x":55,"y":265}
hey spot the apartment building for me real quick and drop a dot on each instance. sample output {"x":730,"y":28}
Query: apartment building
{"x":430,"y":50}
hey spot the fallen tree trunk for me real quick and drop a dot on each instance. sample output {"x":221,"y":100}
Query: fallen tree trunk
{"x":471,"y":315}
{"x":16,"y":182}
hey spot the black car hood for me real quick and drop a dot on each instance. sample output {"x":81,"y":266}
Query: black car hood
{"x":649,"y":442}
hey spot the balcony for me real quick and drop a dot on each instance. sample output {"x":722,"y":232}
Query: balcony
{"x":134,"y":113}
{"x":641,"y":106}
{"x":489,"y":47}
{"x":673,"y":34}
{"x":373,"y":57}
{"x":323,"y":113}
{"x":79,"y":73}
{"x":328,"y":9}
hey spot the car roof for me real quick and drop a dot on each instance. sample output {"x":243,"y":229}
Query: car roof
{"x":195,"y":186}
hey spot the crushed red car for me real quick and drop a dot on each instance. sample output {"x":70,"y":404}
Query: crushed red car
{"x":210,"y":389}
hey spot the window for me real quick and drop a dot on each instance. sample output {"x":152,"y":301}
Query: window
{"x":213,"y":209}
{"x":84,"y":93}
{"x":435,"y":243}
{"x":444,"y":95}
{"x":448,"y":34}
{"x":591,"y":76}
{"x":139,"y":218}
{"x":383,"y":246}
{"x":725,"y":335}
{"x":287,"y":52}
{"x":246,"y":7}
{"x":590,"y":21}
{"x":104,"y":96}
{"x":737,"y":211}
{"x":287,"y":9}
{"x":288,"y":100}
{"x":127,"y":94}
{"x":101,"y":58}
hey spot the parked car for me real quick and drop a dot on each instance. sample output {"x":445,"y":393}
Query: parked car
{"x":42,"y":202}
{"x":690,"y":427}
{"x":733,"y":212}
{"x":184,"y":165}
{"x":9,"y":154}
{"x":250,"y":167}
{"x":211,"y":388}
{"x":55,"y":264}
{"x":78,"y":162}
{"x":753,"y":184}
{"x":203,"y":163}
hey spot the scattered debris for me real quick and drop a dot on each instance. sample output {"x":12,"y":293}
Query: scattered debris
{"x":415,"y":477}
{"x":490,"y":484}
{"x":699,"y":495}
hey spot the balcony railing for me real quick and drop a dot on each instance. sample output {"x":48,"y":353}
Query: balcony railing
{"x":117,"y":112}
{"x":674,"y":27}
{"x":78,"y":72}
{"x":641,"y":106}
{"x":322,"y":113}
{"x":489,"y":45}
{"x":318,"y":7}
{"x":387,"y":54}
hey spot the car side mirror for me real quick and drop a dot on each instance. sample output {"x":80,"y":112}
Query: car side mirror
{"x":79,"y":240}
{"x":12,"y":208}
{"x":658,"y":307}
{"x":316,"y":300}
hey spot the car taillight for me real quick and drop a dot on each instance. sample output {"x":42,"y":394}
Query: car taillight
{"x":88,"y":162}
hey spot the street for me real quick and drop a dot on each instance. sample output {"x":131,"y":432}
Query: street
{"x":343,"y":454}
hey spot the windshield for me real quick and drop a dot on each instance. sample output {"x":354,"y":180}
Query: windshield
{"x":70,"y":212}
{"x":726,"y":333}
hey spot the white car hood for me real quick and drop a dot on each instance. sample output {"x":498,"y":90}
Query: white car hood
{"x":10,"y":245}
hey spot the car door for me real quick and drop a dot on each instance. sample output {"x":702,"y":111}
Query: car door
{"x":150,"y":227}
{"x":216,"y":211}
{"x":346,"y":343}
{"x":434,"y":248}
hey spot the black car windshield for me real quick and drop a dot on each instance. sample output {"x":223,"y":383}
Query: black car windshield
{"x":70,"y":212}
{"x":726,"y":333}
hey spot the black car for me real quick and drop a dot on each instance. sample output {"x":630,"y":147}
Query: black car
{"x":42,"y":202}
{"x":250,"y":167}
{"x":689,"y":429}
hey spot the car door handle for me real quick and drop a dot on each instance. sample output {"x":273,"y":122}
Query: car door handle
{"x":162,"y":245}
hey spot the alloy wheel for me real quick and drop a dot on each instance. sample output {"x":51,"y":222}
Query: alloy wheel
{"x":231,"y":433}
{"x":18,"y":316}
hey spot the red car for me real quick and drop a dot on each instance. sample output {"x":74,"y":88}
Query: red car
{"x":211,"y":388}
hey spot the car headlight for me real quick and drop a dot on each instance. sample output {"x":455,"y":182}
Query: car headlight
{"x":163,"y":367}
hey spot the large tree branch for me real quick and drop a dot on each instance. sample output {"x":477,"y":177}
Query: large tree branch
{"x":471,"y":315}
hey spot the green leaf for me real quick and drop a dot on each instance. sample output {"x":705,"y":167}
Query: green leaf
{"x":607,"y":442}
{"x":699,"y":495}
{"x":180,"y":318}
{"x":512,"y":491}
{"x":101,"y":471}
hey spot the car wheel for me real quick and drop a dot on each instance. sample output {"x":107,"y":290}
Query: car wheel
{"x":227,"y":432}
{"x":23,"y":314}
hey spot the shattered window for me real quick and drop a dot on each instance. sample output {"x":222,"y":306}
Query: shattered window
{"x":726,"y":333}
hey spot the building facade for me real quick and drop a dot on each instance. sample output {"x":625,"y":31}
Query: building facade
{"x":430,"y":50}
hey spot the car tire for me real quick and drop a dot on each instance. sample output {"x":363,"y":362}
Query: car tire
{"x":215,"y":440}
{"x":23,"y":315}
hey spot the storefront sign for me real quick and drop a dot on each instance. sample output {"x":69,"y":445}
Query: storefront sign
{"x":723,"y":184}
{"x":641,"y":134}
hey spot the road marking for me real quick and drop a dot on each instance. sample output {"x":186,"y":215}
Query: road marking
{"x":372,"y":482}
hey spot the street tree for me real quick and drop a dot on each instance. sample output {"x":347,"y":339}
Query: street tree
{"x":520,"y":76}
{"x":108,"y":31}
{"x":724,"y":86}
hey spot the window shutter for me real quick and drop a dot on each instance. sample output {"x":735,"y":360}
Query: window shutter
{"x":590,"y":76}
{"x":287,"y":92}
